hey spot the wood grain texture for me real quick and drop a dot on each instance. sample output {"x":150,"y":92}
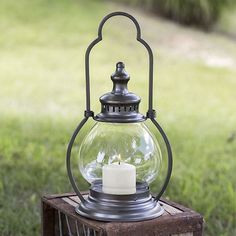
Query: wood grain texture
{"x":187,"y":234}
{"x":47,"y":219}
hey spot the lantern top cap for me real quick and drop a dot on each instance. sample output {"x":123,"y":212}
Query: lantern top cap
{"x":120,"y":65}
{"x":120,"y":105}
{"x":120,"y":73}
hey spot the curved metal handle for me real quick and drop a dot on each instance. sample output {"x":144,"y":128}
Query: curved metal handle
{"x":139,"y":39}
{"x":68,"y":157}
{"x":170,"y":159}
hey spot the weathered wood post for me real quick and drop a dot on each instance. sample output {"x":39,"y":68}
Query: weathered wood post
{"x":59,"y":219}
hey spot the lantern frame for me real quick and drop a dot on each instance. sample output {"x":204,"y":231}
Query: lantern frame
{"x":151,"y":114}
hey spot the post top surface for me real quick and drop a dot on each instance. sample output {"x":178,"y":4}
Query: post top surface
{"x":174,"y":214}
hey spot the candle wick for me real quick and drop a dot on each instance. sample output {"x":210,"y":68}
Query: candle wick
{"x":119,"y":162}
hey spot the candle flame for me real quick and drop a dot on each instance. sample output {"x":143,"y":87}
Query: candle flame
{"x":119,"y":159}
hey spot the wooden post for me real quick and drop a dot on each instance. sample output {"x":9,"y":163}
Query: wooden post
{"x":48,"y":220}
{"x":59,"y":218}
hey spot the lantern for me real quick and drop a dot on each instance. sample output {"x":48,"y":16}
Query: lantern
{"x":119,"y":156}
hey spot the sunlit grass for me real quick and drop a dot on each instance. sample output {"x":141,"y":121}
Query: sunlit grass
{"x":42,"y":100}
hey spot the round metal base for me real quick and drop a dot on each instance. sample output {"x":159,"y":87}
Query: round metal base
{"x":108,"y":207}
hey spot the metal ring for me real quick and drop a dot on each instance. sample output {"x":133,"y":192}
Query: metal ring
{"x":139,"y":39}
{"x":170,"y":159}
{"x":68,"y":157}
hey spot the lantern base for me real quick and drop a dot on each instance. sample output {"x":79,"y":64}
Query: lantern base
{"x":108,"y":207}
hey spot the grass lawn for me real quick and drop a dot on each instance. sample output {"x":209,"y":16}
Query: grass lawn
{"x":42,"y":46}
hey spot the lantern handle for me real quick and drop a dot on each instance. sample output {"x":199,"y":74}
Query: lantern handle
{"x":170,"y":159}
{"x":139,"y":39}
{"x":68,"y":158}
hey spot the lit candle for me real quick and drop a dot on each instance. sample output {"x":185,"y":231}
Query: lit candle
{"x":119,"y":178}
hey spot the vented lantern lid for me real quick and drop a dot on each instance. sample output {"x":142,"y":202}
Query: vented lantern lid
{"x":120,"y":105}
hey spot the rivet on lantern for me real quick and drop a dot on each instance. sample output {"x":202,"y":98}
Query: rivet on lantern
{"x":119,"y":156}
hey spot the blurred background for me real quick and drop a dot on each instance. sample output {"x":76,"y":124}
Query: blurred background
{"x":42,"y":47}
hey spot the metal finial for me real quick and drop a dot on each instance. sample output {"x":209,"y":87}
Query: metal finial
{"x":120,"y":73}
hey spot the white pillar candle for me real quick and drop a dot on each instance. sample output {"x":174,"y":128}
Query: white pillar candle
{"x":119,"y":178}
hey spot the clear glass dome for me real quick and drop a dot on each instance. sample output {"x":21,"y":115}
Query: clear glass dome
{"x":133,"y":143}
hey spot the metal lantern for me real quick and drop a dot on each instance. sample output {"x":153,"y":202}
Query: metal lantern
{"x":119,"y":156}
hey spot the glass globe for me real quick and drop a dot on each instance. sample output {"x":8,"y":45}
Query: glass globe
{"x":131,"y":143}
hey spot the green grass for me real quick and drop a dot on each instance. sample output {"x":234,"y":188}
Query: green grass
{"x":201,"y":13}
{"x":42,"y":48}
{"x":226,"y":23}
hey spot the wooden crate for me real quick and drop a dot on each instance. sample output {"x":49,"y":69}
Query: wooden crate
{"x":60,"y":219}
